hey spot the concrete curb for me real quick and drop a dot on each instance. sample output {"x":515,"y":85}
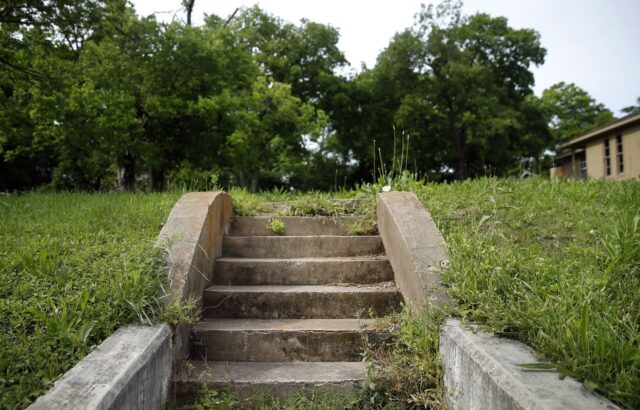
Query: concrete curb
{"x":481,"y":372}
{"x":129,"y":370}
{"x":415,"y":248}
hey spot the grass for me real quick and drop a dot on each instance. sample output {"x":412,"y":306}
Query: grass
{"x":73,"y":267}
{"x":554,"y":264}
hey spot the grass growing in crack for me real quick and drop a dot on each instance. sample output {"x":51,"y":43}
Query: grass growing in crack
{"x":209,"y":399}
{"x":283,"y":203}
{"x":407,"y":373}
{"x":276,"y":226}
{"x":365,"y":226}
{"x":73,"y":267}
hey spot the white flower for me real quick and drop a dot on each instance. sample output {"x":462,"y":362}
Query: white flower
{"x":386,"y":188}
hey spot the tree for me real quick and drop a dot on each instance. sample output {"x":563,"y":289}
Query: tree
{"x":270,"y":126}
{"x":571,"y":111}
{"x":632,"y":109}
{"x":461,"y":87}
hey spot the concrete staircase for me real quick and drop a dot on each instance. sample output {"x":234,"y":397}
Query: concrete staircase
{"x":288,"y":313}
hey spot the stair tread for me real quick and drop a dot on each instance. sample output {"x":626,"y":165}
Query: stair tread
{"x":382,"y":287}
{"x":303,"y":237}
{"x":274,"y":372}
{"x":307,"y":259}
{"x":261,"y":325}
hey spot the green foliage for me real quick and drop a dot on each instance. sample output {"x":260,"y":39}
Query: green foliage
{"x":461,"y":88}
{"x":209,"y":399}
{"x":571,"y":111}
{"x":276,"y":226}
{"x":73,"y":267}
{"x":94,"y":97}
{"x":179,"y":312}
{"x":554,"y":265}
{"x":365,"y":226}
{"x":632,"y":109}
{"x":409,"y":373}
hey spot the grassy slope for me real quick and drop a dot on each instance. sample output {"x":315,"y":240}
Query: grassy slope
{"x":556,"y":265}
{"x":73,"y":267}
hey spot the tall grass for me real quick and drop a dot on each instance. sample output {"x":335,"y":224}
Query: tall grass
{"x":554,"y":264}
{"x":73,"y":267}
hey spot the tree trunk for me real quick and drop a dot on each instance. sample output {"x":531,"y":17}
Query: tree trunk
{"x":461,"y":169}
{"x":189,"y":6}
{"x":127,"y":177}
{"x":254,"y":181}
{"x":156,"y":180}
{"x":241,"y":179}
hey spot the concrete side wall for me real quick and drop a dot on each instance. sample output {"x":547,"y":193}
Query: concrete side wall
{"x":630,"y":153}
{"x":129,"y":370}
{"x":414,"y":247}
{"x":481,"y":372}
{"x":192,"y":239}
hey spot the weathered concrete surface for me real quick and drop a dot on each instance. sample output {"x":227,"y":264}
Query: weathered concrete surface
{"x":302,"y":271}
{"x":280,"y":302}
{"x":129,"y":370}
{"x":280,"y":378}
{"x":414,"y":247}
{"x":293,"y":225}
{"x":280,"y":340}
{"x":192,"y":238}
{"x":300,"y":246}
{"x":481,"y":372}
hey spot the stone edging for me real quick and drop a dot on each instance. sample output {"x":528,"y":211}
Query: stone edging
{"x":480,"y":369}
{"x":131,"y":369}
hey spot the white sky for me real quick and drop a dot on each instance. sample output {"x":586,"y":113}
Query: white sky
{"x":593,"y":43}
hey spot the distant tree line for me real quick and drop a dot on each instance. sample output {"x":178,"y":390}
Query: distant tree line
{"x":94,"y":97}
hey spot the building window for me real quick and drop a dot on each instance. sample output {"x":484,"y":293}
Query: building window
{"x":607,"y":157}
{"x":619,"y":156}
{"x":583,"y":168}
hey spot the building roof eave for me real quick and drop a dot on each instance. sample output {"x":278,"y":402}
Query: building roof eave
{"x":614,"y":125}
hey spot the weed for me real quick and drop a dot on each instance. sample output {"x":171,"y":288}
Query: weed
{"x":276,"y":225}
{"x":408,"y":373}
{"x":179,"y":312}
{"x":209,"y":399}
{"x":364,"y":226}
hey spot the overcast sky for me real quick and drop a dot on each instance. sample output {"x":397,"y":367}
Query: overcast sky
{"x":593,"y":43}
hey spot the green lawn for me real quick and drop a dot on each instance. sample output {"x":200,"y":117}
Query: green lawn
{"x":73,"y":267}
{"x":555,"y":264}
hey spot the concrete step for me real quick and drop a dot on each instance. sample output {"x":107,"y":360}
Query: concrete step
{"x":281,"y":379}
{"x":300,"y":246}
{"x":279,"y":340}
{"x":293,"y":225}
{"x":279,"y":302}
{"x":302,"y":271}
